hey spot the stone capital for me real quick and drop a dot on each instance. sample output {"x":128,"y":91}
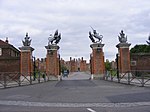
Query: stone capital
{"x":97,"y":45}
{"x":26,"y":48}
{"x":123,"y":45}
{"x":52,"y":47}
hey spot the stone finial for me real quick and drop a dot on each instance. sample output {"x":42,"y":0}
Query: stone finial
{"x":82,"y":58}
{"x":6,"y":40}
{"x":122,"y":37}
{"x":27,"y":42}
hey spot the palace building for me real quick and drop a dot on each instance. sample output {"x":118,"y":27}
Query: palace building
{"x":9,"y":57}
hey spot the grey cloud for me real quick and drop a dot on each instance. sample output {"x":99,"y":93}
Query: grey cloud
{"x":73,"y":19}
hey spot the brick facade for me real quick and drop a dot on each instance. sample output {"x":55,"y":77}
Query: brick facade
{"x":113,"y":65}
{"x":88,"y":67}
{"x":83,"y":66}
{"x":75,"y":65}
{"x":41,"y":64}
{"x":9,"y":58}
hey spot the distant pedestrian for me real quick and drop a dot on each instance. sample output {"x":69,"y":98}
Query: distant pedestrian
{"x":68,"y":72}
{"x":44,"y":77}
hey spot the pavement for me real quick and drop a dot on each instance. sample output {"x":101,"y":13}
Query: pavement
{"x":77,"y":76}
{"x":76,"y":94}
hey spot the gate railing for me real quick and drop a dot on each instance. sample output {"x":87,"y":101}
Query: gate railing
{"x":136,"y":77}
{"x":12,"y":79}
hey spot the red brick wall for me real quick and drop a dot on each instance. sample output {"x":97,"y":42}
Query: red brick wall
{"x":72,"y":66}
{"x":142,"y":61}
{"x":41,"y":64}
{"x":52,"y":63}
{"x":26,"y":63}
{"x":6,"y":52}
{"x":9,"y":60}
{"x":124,"y":60}
{"x":83,"y":65}
{"x":10,"y":65}
{"x":88,"y":67}
{"x":97,"y":62}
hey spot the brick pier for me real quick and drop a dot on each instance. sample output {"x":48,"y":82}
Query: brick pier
{"x":97,"y":60}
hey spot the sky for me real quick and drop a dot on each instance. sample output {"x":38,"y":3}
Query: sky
{"x":73,"y":19}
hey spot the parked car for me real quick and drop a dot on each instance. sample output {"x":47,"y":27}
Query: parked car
{"x":65,"y":73}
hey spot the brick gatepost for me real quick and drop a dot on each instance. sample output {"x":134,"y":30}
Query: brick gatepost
{"x":52,"y":62}
{"x":26,"y":57}
{"x":123,"y":57}
{"x":97,"y":60}
{"x":123,"y":53}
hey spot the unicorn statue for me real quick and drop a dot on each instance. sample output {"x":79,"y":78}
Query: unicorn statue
{"x":54,"y":39}
{"x":96,"y":36}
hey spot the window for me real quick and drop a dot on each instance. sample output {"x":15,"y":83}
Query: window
{"x":0,"y":51}
{"x":133,"y":63}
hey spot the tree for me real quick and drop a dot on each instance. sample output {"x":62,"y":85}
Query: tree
{"x":140,"y":49}
{"x":63,"y":68}
{"x":107,"y":65}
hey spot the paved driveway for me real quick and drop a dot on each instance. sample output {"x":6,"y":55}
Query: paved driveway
{"x":74,"y":95}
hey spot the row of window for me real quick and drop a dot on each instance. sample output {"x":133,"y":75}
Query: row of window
{"x":11,"y":53}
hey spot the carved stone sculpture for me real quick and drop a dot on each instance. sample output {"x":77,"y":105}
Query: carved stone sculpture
{"x":122,"y":37}
{"x":148,"y":40}
{"x":27,"y":42}
{"x":95,"y":35}
{"x":54,"y":39}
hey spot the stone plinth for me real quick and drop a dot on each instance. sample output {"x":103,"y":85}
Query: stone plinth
{"x":97,"y":60}
{"x":52,"y":62}
{"x":26,"y":60}
{"x":123,"y":57}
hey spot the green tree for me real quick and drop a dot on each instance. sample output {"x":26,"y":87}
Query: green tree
{"x":63,"y":68}
{"x":107,"y":65}
{"x":140,"y":49}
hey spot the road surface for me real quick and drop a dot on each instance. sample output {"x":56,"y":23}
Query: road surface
{"x":75,"y":94}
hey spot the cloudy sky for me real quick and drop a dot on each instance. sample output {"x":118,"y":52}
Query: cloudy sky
{"x":73,"y":19}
